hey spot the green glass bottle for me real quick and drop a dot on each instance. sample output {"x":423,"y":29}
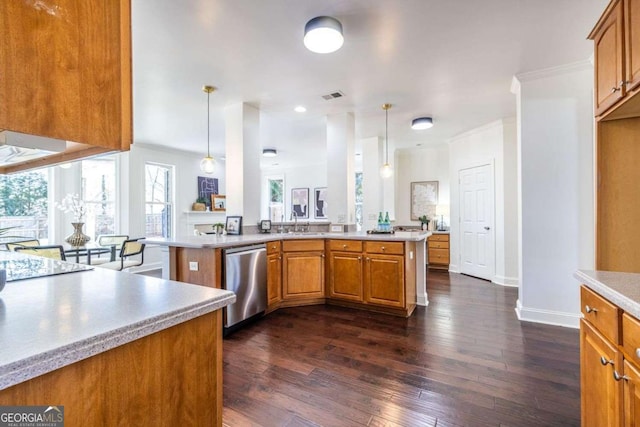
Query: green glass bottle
{"x":387,"y":223}
{"x":380,"y":221}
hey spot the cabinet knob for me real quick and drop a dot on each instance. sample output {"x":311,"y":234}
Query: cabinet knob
{"x":618,"y":377}
{"x":638,"y":353}
{"x":360,"y":259}
{"x":344,"y":246}
{"x":614,"y":89}
{"x":604,"y":361}
{"x":383,"y":248}
{"x":624,"y":82}
{"x":368,"y":259}
{"x":590,"y":309}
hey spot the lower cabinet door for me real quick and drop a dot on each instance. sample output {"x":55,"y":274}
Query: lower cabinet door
{"x":384,"y":280}
{"x":303,"y":275}
{"x":601,"y":393}
{"x":345,"y":276}
{"x":631,"y":395}
{"x":274,"y":279}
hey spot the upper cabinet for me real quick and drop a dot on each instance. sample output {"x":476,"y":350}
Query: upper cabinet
{"x":609,"y":58}
{"x":632,"y":43}
{"x":65,"y":73}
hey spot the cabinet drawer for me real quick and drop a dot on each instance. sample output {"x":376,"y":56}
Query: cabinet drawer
{"x":395,"y":248}
{"x":631,"y":337}
{"x":438,"y":244}
{"x":302,"y":245}
{"x":274,"y":247}
{"x":438,"y":238}
{"x":438,"y":256}
{"x":345,"y":245}
{"x":600,"y":313}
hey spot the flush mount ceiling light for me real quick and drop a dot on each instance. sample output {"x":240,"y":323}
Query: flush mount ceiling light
{"x":421,"y":123}
{"x":269,"y":152}
{"x":300,"y":109}
{"x":207,"y":165}
{"x":385,"y":170}
{"x":323,"y":34}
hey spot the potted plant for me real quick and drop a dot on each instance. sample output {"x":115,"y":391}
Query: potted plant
{"x":425,"y":222}
{"x":200,"y":204}
{"x":218,"y":227}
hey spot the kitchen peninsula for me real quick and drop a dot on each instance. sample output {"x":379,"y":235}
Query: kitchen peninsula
{"x":378,"y":272}
{"x":112,"y":347}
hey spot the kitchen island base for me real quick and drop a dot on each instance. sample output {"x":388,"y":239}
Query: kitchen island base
{"x":171,"y":377}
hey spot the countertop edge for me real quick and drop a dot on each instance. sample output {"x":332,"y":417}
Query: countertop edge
{"x":212,"y":242}
{"x":42,"y":363}
{"x":618,"y":298}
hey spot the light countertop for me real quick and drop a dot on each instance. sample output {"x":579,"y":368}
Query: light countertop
{"x":50,"y":322}
{"x":214,"y":241}
{"x":622,"y":289}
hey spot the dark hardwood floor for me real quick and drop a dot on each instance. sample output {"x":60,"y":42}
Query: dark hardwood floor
{"x":465,"y":360}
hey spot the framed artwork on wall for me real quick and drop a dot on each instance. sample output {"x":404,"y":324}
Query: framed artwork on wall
{"x":300,"y":202}
{"x":207,"y":187}
{"x":424,"y":198}
{"x":218,"y":202}
{"x":234,"y":225}
{"x":320,"y":202}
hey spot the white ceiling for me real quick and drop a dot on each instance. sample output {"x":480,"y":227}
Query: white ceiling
{"x":452,"y":60}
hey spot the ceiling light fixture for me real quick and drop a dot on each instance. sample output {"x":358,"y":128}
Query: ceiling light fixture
{"x":421,"y":123}
{"x":207,"y":165}
{"x":386,"y":171}
{"x":323,"y":34}
{"x":300,"y":109}
{"x":269,"y":152}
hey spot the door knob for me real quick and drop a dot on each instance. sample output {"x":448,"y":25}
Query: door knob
{"x":487,"y":228}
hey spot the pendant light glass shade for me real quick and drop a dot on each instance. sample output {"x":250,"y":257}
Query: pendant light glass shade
{"x":422,"y":123}
{"x":386,"y":171}
{"x":207,"y":165}
{"x":323,"y":34}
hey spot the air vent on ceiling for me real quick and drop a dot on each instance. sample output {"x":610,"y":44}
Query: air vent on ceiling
{"x":333,"y":95}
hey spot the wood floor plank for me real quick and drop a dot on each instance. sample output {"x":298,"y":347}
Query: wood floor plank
{"x":465,"y":360}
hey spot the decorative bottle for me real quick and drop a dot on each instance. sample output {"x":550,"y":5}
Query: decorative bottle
{"x":379,"y":228}
{"x":387,"y":223}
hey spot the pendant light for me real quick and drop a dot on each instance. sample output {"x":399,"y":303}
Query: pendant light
{"x":207,"y":165}
{"x":323,"y":34}
{"x":385,"y":170}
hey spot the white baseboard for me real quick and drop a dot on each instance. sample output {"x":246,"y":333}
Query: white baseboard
{"x":505,"y":281}
{"x":423,"y":300}
{"x":453,"y":268}
{"x":548,"y":317}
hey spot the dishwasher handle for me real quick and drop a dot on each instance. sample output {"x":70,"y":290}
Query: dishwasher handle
{"x":244,"y":249}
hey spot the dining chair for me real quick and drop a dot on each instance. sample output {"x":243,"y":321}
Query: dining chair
{"x":130,"y":248}
{"x":48,"y":251}
{"x":11,"y":246}
{"x":115,"y":240}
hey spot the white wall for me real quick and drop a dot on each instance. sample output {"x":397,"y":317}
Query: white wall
{"x":420,"y":164}
{"x":308,"y":176}
{"x":495,"y":144}
{"x":555,"y":114}
{"x":186,"y":170}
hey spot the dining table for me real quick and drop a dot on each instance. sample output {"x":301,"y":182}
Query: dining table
{"x":88,"y":250}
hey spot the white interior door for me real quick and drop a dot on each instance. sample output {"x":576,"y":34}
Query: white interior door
{"x":477,"y":246}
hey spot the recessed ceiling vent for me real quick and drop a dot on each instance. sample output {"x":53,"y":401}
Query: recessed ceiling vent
{"x":333,"y":95}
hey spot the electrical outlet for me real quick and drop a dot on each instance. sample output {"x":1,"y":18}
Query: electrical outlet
{"x":193,"y":265}
{"x":337,"y":228}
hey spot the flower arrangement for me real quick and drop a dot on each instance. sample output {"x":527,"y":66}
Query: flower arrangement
{"x":73,"y":204}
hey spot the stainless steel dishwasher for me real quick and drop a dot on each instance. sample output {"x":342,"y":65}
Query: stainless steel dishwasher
{"x":245,"y":274}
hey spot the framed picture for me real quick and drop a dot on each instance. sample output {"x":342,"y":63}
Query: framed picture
{"x":234,"y":225}
{"x":320,"y":202}
{"x":207,"y":187}
{"x":300,"y":202}
{"x":218,"y":202}
{"x":424,"y":198}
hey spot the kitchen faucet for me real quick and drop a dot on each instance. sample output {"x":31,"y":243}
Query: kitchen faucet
{"x":294,"y":217}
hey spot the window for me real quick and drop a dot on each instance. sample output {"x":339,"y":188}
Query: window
{"x":99,"y":194}
{"x":276,"y":198}
{"x":158,"y":200}
{"x":24,"y":204}
{"x":359,"y":200}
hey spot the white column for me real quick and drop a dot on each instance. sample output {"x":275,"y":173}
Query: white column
{"x":555,"y":152}
{"x":372,"y":185}
{"x":341,"y":168}
{"x":243,"y":151}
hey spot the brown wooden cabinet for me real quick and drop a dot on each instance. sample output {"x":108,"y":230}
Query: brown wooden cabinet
{"x":384,"y":280}
{"x":303,"y":271}
{"x":344,"y":270}
{"x":609,"y":363}
{"x":66,"y":74}
{"x":632,"y":43}
{"x":438,"y":251}
{"x":274,"y":275}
